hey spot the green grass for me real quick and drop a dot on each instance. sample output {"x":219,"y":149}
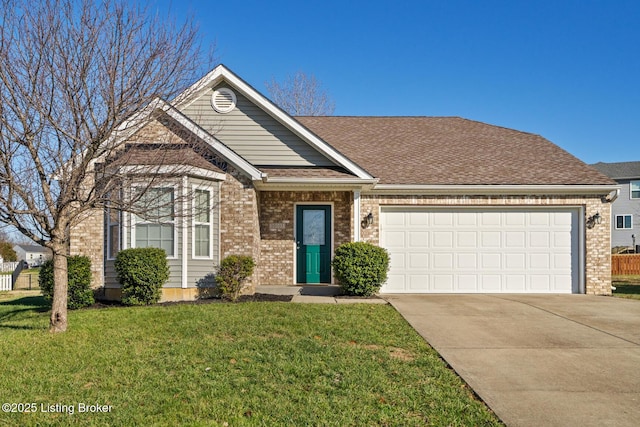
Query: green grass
{"x":627,"y":286}
{"x":229,"y":364}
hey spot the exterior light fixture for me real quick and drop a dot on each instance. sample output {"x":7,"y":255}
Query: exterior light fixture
{"x":367,"y":221}
{"x":593,"y":220}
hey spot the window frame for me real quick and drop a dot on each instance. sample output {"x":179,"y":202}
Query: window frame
{"x":195,"y":222}
{"x":631,"y":190}
{"x":135,"y":220}
{"x":118,"y":226}
{"x":624,"y":216}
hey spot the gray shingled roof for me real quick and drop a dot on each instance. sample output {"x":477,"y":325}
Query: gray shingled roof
{"x":621,"y":170}
{"x":451,"y":151}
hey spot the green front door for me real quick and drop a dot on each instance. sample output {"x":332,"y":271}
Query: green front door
{"x":313,"y":242}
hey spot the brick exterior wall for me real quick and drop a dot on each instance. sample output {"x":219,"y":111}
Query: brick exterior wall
{"x":239,"y":223}
{"x":277,"y":229}
{"x":597,"y":239}
{"x":86,"y":237}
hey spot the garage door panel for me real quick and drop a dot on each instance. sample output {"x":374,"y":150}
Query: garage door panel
{"x":397,"y":262}
{"x":490,"y":261}
{"x":562,"y":239}
{"x":417,"y":218}
{"x":442,"y":218}
{"x":514,"y":219}
{"x":467,"y":239}
{"x":539,"y":219}
{"x":514,"y":239}
{"x":443,"y":239}
{"x":515,"y":261}
{"x":491,"y":239}
{"x":443,"y":261}
{"x":481,"y":250}
{"x":419,"y":261}
{"x":396,"y":283}
{"x":442,"y":282}
{"x":491,"y":218}
{"x":394,"y":218}
{"x":419,"y":239}
{"x":395,"y":239}
{"x":490,"y":283}
{"x":514,"y":283}
{"x":466,"y":261}
{"x":417,"y":283}
{"x":467,"y":219}
{"x":561,"y":283}
{"x":540,"y":283}
{"x":467,"y":283}
{"x":540,"y":261}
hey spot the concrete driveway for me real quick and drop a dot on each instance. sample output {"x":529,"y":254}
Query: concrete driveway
{"x":538,"y":360}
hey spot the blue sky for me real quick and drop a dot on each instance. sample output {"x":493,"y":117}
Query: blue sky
{"x":568,"y":70}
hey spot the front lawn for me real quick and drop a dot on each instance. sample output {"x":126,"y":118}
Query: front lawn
{"x":227,"y":364}
{"x":627,"y":286}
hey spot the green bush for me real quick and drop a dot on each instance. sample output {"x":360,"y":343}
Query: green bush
{"x":231,"y":275}
{"x":360,"y":268}
{"x":79,"y":292}
{"x":142,"y":272}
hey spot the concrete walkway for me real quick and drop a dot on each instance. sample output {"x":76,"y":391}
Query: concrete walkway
{"x":318,"y":294}
{"x":539,"y":360}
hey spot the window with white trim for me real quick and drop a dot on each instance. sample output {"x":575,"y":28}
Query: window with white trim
{"x":113,"y":232}
{"x":624,"y":222}
{"x":635,"y":189}
{"x":155,"y":225}
{"x":202,"y":223}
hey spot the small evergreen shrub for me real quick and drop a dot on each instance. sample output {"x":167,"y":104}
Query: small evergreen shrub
{"x":79,"y":292}
{"x":360,"y":268}
{"x":231,"y":275}
{"x":142,"y":272}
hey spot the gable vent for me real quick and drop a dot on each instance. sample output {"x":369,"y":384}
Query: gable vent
{"x":223,"y":100}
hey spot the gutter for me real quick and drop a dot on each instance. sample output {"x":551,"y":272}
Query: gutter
{"x":393,"y":189}
{"x":288,"y":183}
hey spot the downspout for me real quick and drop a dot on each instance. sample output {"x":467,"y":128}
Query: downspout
{"x":356,"y":215}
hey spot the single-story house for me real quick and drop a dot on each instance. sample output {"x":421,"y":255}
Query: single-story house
{"x":34,"y":255}
{"x":461,"y":206}
{"x":625,"y":224}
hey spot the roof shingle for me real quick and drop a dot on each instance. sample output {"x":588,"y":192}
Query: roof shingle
{"x":451,"y":151}
{"x":621,"y":170}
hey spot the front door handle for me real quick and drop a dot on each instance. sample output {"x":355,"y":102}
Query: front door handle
{"x":297,"y":245}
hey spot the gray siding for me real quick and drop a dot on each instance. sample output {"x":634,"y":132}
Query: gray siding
{"x":624,"y":205}
{"x":253,"y":134}
{"x":198,"y":269}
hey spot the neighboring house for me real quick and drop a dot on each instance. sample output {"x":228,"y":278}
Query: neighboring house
{"x":625,"y":224}
{"x":462,"y":206}
{"x":33,"y":254}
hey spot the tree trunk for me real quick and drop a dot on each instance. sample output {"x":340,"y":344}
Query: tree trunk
{"x":58,"y":322}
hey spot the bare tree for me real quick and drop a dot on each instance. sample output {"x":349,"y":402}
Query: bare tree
{"x":301,"y":95}
{"x":75,"y":77}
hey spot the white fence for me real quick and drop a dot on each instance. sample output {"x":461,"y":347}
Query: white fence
{"x":8,"y":266}
{"x":5,"y":282}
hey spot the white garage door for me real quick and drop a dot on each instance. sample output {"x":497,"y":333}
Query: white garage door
{"x":481,"y":250}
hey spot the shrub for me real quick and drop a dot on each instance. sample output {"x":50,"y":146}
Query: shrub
{"x":79,"y":292}
{"x":142,"y":272}
{"x":231,"y":275}
{"x":360,"y":268}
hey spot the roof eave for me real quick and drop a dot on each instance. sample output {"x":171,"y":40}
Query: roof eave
{"x":307,"y":184}
{"x":489,"y":190}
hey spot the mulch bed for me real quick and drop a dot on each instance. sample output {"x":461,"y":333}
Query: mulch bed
{"x":243,"y":298}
